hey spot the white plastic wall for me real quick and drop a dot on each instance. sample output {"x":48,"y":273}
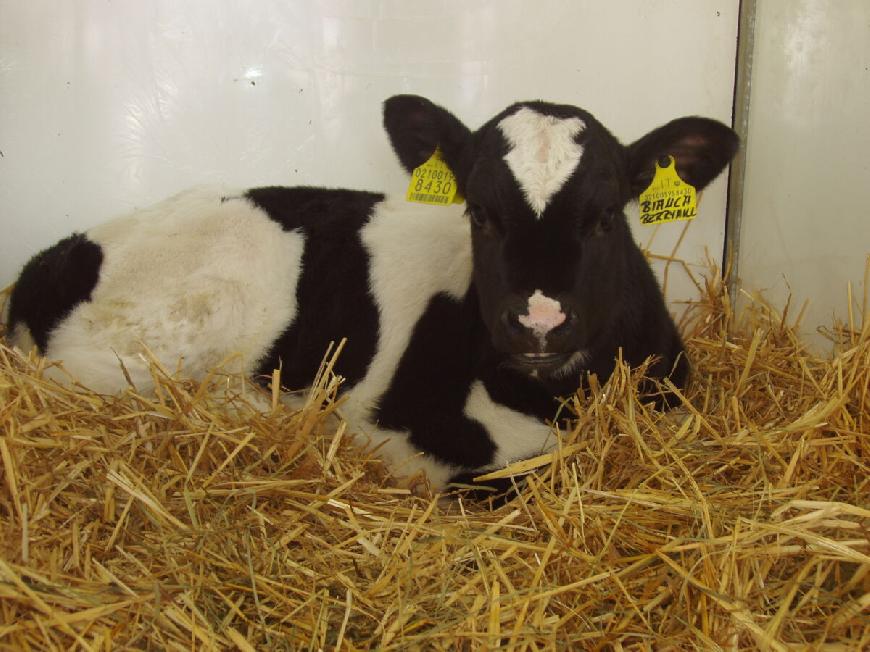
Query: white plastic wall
{"x":806,"y":219}
{"x":105,"y":106}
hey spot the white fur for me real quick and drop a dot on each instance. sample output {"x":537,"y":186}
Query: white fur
{"x":21,"y":338}
{"x":517,"y":436}
{"x":544,"y":314}
{"x":415,"y":252}
{"x":407,"y":463}
{"x":192,"y":279}
{"x":543,"y":153}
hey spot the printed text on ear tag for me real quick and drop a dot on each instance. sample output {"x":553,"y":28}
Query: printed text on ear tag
{"x":433,"y":183}
{"x":668,"y":198}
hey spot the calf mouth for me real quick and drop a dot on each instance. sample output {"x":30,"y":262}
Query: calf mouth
{"x":544,"y":364}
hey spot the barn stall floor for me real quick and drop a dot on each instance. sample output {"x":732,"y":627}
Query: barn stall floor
{"x":187,"y":519}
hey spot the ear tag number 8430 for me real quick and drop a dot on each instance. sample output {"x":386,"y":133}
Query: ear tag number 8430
{"x":433,"y":183}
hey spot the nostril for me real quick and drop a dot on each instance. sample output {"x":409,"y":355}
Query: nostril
{"x":511,"y":320}
{"x":568,"y":324}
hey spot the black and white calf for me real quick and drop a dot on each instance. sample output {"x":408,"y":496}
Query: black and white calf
{"x":463,"y":323}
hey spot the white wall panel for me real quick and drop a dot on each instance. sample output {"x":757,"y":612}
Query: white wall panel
{"x":806,"y":221}
{"x":109,"y":105}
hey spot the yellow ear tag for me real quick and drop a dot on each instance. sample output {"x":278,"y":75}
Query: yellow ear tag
{"x":668,"y":198}
{"x":433,"y":183}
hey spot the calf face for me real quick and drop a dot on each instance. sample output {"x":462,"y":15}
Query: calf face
{"x":546,"y":186}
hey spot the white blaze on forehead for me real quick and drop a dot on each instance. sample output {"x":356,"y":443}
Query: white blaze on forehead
{"x":544,"y":314}
{"x":543,"y":153}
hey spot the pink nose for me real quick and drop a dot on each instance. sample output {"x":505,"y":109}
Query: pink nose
{"x":544,"y":314}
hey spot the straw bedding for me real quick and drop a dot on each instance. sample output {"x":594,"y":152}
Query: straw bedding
{"x":190,"y":518}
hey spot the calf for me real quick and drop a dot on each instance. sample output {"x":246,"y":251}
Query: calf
{"x":463,"y":323}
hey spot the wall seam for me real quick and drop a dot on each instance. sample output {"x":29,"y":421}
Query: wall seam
{"x":740,"y":123}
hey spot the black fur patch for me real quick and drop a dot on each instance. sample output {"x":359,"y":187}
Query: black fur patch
{"x":333,"y":291}
{"x":54,"y":282}
{"x":430,"y":387}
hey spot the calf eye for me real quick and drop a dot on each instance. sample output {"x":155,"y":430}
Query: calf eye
{"x":477,"y":215}
{"x":598,"y":224}
{"x":605,"y":222}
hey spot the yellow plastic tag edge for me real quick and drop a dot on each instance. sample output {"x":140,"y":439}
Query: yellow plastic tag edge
{"x":687,"y":211}
{"x":435,"y":161}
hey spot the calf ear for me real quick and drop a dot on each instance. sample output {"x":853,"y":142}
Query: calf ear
{"x":701,"y":149}
{"x":416,"y":127}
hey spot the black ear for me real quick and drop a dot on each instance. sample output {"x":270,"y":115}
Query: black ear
{"x":701,"y":149}
{"x":416,"y":127}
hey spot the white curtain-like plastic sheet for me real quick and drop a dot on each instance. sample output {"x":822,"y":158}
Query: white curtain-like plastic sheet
{"x":105,"y":106}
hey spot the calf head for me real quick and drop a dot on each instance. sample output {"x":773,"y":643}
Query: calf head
{"x":546,"y":186}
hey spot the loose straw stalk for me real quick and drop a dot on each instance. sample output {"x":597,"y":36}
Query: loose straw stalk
{"x":188,"y":518}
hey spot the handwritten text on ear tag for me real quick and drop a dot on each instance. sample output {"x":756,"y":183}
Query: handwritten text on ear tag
{"x":433,"y":183}
{"x":668,"y":198}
